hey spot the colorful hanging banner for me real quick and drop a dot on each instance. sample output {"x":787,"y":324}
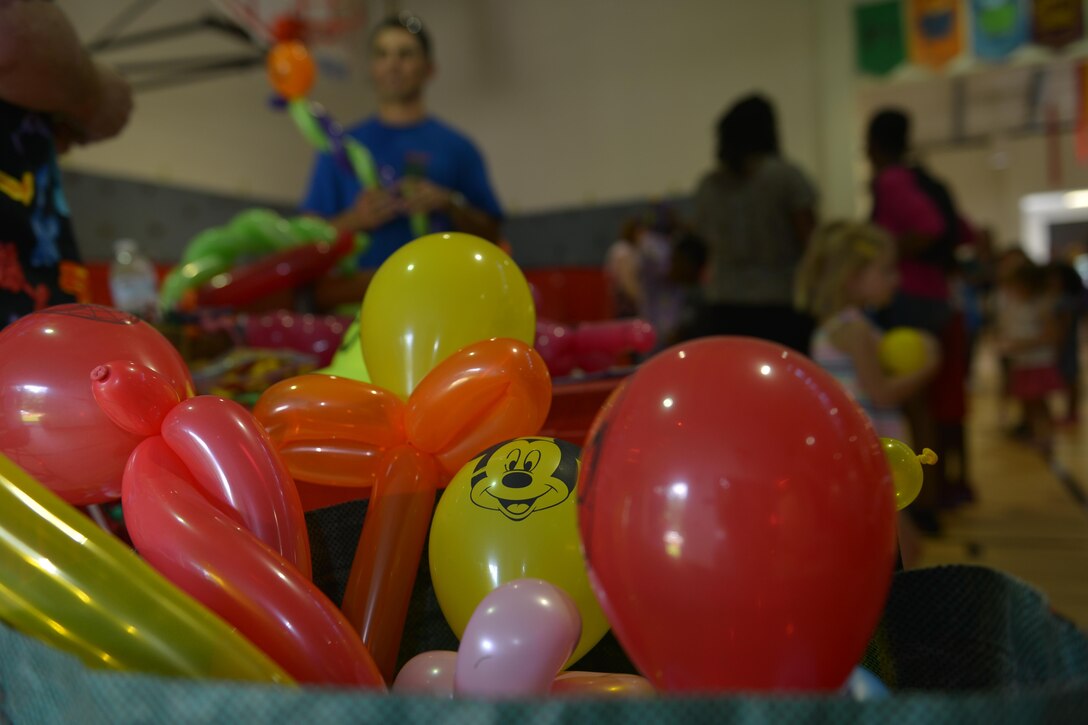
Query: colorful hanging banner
{"x":935,"y":31}
{"x":1057,"y":23}
{"x":998,"y":27}
{"x":880,"y":42}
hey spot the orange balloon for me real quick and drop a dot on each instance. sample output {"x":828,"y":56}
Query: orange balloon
{"x":291,"y":69}
{"x":383,"y":572}
{"x":330,"y":430}
{"x":345,"y":464}
{"x":483,"y":394}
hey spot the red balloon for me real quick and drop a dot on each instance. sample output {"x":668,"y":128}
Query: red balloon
{"x":50,"y":424}
{"x":227,"y":569}
{"x":738,"y":519}
{"x":233,"y":462}
{"x":134,"y":397}
{"x":279,"y":271}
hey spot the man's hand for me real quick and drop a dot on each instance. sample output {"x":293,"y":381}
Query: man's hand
{"x":113,"y":109}
{"x":374,"y":208}
{"x":422,"y":196}
{"x":103,"y":118}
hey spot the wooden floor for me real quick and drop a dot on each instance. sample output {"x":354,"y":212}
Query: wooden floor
{"x":1030,"y":518}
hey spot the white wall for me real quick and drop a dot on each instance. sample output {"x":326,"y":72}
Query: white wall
{"x":574,"y":102}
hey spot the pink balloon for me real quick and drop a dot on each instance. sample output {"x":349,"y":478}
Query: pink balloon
{"x":235,"y":465}
{"x":597,"y":345}
{"x":227,"y":569}
{"x":318,"y":335}
{"x":517,"y":640}
{"x":601,"y":684}
{"x":555,"y":343}
{"x":429,"y":673}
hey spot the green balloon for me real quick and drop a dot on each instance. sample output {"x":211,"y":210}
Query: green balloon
{"x":215,"y":241}
{"x":311,"y":229}
{"x":348,"y":360}
{"x":256,"y":231}
{"x":188,"y":276}
{"x":307,"y":124}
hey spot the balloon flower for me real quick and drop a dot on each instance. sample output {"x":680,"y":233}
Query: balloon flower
{"x":101,"y":405}
{"x":443,"y":390}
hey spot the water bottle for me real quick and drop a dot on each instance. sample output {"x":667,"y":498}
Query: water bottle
{"x":133,"y":282}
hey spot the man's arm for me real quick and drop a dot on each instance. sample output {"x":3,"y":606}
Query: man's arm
{"x":43,"y":67}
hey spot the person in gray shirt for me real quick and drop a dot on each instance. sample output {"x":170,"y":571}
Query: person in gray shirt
{"x":755,"y":212}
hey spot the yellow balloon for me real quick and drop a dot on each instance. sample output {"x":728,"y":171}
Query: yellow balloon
{"x":906,"y":469}
{"x":508,"y":514}
{"x":348,"y":360}
{"x":434,"y":296}
{"x":903,"y":351}
{"x":68,"y":583}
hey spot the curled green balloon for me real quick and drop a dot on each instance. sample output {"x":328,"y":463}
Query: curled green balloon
{"x":307,"y":123}
{"x":257,"y":231}
{"x":906,"y":469}
{"x":252,"y":232}
{"x":70,"y":584}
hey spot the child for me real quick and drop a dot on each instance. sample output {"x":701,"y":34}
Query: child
{"x":1029,"y":337}
{"x":847,"y":268}
{"x":1067,"y":288}
{"x":685,"y":273}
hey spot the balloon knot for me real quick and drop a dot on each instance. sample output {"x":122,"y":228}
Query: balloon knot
{"x":928,"y":457}
{"x":100,"y":373}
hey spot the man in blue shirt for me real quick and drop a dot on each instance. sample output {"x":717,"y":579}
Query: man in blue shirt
{"x":425,"y":167}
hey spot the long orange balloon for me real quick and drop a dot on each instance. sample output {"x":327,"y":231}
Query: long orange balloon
{"x":383,"y":572}
{"x":335,"y":431}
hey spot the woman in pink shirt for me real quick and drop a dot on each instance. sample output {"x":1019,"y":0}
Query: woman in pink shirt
{"x":919,"y":212}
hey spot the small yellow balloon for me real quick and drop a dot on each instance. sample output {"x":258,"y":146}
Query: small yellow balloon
{"x":903,"y":351}
{"x":906,"y":469}
{"x":508,"y":514}
{"x":434,"y":296}
{"x":348,"y":361}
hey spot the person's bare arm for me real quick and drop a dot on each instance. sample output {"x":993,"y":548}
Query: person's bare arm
{"x":43,"y":67}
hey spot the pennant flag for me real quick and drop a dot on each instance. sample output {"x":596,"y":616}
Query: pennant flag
{"x":935,"y":31}
{"x":1057,"y":23}
{"x":998,"y":27}
{"x":880,"y":42}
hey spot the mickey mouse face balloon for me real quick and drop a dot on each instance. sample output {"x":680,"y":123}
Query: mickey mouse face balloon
{"x":511,"y":513}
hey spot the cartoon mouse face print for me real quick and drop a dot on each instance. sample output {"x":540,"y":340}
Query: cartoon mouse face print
{"x":525,"y":475}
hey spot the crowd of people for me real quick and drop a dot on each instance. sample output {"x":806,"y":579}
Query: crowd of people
{"x":756,"y":261}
